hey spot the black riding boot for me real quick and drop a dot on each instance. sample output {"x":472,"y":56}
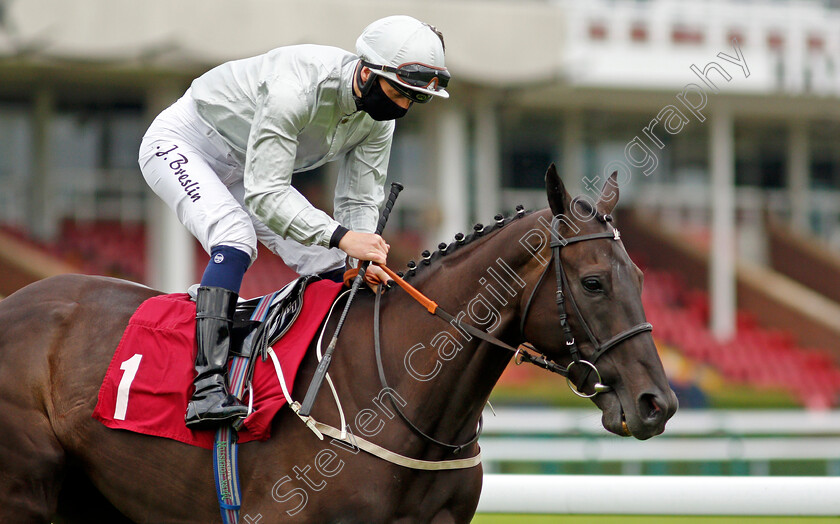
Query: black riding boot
{"x":211,"y":404}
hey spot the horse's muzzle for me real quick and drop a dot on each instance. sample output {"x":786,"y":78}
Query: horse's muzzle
{"x":653,"y":411}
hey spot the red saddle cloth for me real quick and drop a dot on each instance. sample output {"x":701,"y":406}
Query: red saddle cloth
{"x":149,"y":381}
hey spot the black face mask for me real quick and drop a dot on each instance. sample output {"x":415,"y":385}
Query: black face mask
{"x":375,"y":102}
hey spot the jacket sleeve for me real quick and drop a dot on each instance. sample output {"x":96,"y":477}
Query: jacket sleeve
{"x":280,"y":114}
{"x":360,"y":186}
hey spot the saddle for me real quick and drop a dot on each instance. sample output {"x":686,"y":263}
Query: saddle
{"x":148,"y":382}
{"x":255,"y":330}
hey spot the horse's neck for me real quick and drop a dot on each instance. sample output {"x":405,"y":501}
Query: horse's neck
{"x":452,"y":371}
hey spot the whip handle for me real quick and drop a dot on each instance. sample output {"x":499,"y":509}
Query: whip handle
{"x":323,"y":366}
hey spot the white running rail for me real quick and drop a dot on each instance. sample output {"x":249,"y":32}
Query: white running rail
{"x":660,"y":495}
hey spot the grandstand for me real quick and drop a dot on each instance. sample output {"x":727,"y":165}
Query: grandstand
{"x":754,"y":184}
{"x":106,"y":247}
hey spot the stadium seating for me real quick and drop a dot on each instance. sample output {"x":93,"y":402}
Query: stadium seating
{"x":118,"y":249}
{"x":760,"y":357}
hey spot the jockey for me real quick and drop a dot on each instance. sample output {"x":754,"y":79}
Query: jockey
{"x":222,"y":157}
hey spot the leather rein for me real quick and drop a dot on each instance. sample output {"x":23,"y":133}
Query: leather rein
{"x":524,"y":352}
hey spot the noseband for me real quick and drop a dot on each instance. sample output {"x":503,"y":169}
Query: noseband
{"x":558,"y":242}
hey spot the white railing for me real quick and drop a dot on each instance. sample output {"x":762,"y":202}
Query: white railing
{"x":660,"y":495}
{"x":81,"y":194}
{"x":685,"y":423}
{"x":755,"y":438}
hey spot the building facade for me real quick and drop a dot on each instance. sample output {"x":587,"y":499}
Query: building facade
{"x":699,"y":105}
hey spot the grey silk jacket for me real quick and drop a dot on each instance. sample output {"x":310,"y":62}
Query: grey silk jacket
{"x":291,"y":110}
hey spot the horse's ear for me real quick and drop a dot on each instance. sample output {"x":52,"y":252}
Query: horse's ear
{"x":558,"y":198}
{"x":609,"y":195}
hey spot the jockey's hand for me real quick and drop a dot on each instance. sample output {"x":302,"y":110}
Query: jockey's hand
{"x":367,"y":246}
{"x":364,"y":246}
{"x":377,"y":272}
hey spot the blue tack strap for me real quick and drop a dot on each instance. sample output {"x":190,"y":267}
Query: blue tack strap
{"x":225,"y":449}
{"x":226,"y":473}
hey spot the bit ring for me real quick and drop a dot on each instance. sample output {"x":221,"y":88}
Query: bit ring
{"x":599,"y":386}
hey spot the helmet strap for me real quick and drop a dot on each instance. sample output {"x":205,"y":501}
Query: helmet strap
{"x":364,"y":87}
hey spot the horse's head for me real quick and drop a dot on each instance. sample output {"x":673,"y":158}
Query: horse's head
{"x":599,"y":326}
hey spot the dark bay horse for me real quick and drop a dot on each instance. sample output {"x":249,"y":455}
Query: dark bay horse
{"x":58,"y":464}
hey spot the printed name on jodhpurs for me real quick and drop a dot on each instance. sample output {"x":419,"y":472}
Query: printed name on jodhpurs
{"x":190,"y":187}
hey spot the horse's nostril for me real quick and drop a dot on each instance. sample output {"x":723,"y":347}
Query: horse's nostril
{"x":648,"y":408}
{"x":653,"y":403}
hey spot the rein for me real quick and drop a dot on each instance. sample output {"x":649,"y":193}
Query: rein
{"x":454,"y":448}
{"x":523,"y":353}
{"x":432,"y":307}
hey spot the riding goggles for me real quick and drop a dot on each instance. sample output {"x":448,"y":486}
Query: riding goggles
{"x":420,"y":97}
{"x":416,"y":75}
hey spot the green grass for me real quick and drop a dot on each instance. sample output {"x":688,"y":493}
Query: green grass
{"x":642,"y":519}
{"x":548,"y":393}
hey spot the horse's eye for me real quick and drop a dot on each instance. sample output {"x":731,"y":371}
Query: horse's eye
{"x":592,"y":284}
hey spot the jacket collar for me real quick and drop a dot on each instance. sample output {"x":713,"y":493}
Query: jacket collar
{"x":346,"y":102}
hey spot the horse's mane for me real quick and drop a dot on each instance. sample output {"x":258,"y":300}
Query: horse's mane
{"x":480,"y":232}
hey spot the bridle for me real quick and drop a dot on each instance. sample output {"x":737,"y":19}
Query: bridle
{"x":520,"y":354}
{"x":557,"y":243}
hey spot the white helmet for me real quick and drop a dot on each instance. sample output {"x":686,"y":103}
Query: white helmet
{"x":407,"y":52}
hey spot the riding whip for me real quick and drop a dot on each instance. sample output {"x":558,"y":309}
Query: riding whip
{"x":321,"y":370}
